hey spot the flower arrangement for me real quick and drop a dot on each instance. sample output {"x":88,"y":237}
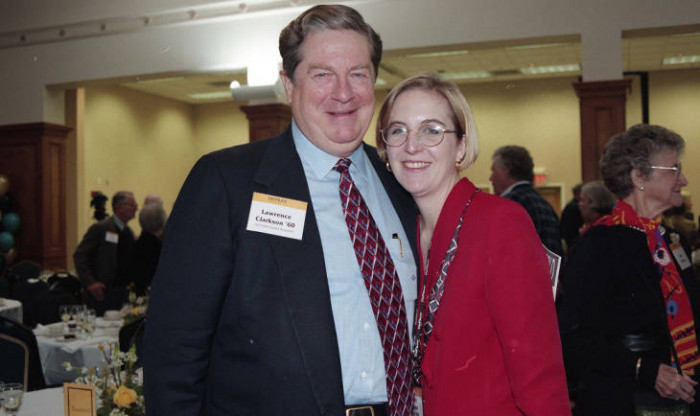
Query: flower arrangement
{"x":118,"y":384}
{"x":136,"y":307}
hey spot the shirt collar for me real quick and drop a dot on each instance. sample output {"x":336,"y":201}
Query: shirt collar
{"x":510,"y":188}
{"x":120,"y":223}
{"x":318,"y":161}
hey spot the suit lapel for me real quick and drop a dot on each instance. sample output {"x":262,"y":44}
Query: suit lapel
{"x":303,"y":275}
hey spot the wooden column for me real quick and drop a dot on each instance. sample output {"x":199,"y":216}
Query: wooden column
{"x":602,"y":106}
{"x":266,"y":120}
{"x":33,"y":156}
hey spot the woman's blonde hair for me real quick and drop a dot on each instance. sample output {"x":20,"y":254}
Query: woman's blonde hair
{"x":461,"y":114}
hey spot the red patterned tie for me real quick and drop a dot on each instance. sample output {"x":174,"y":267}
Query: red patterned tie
{"x":384,"y":289}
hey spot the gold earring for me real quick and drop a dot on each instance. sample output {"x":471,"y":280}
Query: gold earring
{"x":388,"y":166}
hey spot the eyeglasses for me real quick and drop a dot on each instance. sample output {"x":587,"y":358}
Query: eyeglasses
{"x":429,"y":134}
{"x":676,"y":168}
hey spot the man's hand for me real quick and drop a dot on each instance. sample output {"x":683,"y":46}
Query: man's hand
{"x":97,"y":290}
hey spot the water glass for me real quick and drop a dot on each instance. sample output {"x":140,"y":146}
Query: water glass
{"x":12,"y":398}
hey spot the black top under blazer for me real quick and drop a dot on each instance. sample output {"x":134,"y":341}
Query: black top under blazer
{"x":611,"y":290}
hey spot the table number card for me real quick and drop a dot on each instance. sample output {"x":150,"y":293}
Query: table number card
{"x":79,"y":400}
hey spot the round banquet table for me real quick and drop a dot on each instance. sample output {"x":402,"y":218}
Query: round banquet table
{"x":47,"y":402}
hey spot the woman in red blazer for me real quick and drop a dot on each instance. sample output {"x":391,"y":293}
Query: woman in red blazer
{"x":486,"y":338}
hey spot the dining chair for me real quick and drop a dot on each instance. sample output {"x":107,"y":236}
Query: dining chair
{"x":20,"y":356}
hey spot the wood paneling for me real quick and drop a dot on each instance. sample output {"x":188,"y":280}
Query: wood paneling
{"x":602,"y":107}
{"x":33,"y":157}
{"x":267,"y":120}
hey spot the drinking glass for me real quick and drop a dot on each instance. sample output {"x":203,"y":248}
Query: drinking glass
{"x":76,"y":310}
{"x":88,"y":320}
{"x":12,"y":398}
{"x":64,"y":311}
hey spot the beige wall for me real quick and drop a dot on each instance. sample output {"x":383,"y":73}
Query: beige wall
{"x":137,"y":142}
{"x":148,"y":144}
{"x":675,"y":103}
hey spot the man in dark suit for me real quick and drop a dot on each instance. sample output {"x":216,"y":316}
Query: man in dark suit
{"x":511,"y":177}
{"x":103,"y":257}
{"x":258,"y":306}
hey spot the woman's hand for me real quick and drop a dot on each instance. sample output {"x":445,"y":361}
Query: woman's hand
{"x":671,"y":385}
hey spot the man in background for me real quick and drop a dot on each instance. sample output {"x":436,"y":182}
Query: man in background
{"x":259,"y":305}
{"x":511,"y":177}
{"x":104,"y":256}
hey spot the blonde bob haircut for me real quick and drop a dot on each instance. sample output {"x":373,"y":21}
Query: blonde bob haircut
{"x":461,"y":114}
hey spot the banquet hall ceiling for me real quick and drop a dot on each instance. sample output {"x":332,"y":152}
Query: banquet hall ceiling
{"x":643,"y":51}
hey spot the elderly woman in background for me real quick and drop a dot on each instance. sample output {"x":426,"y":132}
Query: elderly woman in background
{"x":625,"y":313}
{"x":596,"y":201}
{"x":486,"y":340}
{"x":152,"y":219}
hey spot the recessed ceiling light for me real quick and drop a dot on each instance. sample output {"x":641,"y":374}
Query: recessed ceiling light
{"x":456,"y":76}
{"x":210,"y":95}
{"x":536,"y":46}
{"x":436,"y":54}
{"x":550,"y":69}
{"x":159,"y":80}
{"x":679,"y":60}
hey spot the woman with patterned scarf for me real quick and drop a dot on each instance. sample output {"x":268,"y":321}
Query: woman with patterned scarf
{"x":626,"y":308}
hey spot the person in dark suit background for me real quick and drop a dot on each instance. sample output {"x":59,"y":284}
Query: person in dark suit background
{"x":571,"y":219}
{"x":259,"y":304}
{"x":147,"y":248}
{"x":104,"y":256}
{"x":511,"y":177}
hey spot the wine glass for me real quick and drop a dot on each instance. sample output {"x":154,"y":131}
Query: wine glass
{"x":76,"y":311}
{"x":12,"y":398}
{"x":64,"y":312}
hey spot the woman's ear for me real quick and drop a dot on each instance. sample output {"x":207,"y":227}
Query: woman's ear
{"x":638,"y":179}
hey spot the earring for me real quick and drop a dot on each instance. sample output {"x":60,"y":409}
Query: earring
{"x":459,"y":161}
{"x":641,"y":188}
{"x":388,"y":166}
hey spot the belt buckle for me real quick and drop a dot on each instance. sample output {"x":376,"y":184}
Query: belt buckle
{"x":348,"y":412}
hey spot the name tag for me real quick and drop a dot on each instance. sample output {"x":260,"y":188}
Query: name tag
{"x":679,"y":254}
{"x":276,"y":215}
{"x":112,"y":237}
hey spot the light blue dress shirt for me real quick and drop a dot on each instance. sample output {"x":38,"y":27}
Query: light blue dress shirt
{"x":360,"y":346}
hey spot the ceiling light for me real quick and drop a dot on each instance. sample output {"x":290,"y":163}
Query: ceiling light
{"x":679,"y":60}
{"x":158,"y":80}
{"x":437,"y":54}
{"x":536,"y":46}
{"x":682,"y":35}
{"x":550,"y":69}
{"x":210,"y":95}
{"x":456,"y":76}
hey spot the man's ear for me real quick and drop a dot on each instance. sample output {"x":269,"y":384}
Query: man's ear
{"x":288,"y":86}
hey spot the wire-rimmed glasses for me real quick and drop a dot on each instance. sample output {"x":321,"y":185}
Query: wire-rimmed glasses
{"x":677,"y":168}
{"x":429,"y":134}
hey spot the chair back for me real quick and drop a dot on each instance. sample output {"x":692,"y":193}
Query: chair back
{"x":15,"y":360}
{"x":19,"y":354}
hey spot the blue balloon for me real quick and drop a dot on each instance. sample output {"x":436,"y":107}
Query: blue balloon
{"x":10,"y":222}
{"x":6,"y":241}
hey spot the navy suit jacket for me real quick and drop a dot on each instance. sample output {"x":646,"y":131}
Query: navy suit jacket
{"x":240,"y":322}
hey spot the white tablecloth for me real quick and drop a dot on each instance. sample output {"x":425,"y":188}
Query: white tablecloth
{"x":54,"y":351}
{"x":11,"y":309}
{"x":47,"y":402}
